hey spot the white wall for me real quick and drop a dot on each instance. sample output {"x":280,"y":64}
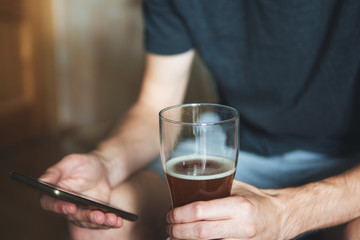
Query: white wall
{"x":99,"y":59}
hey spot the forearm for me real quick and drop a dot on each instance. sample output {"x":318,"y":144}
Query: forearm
{"x":322,"y":204}
{"x":132,"y":145}
{"x":135,"y":142}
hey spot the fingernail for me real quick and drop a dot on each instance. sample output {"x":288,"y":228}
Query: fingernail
{"x":168,"y":217}
{"x":108,"y":222}
{"x":99,"y":219}
{"x":119,"y":222}
{"x":168,"y":230}
{"x":66,"y":209}
{"x":43,"y":178}
{"x":93,"y":218}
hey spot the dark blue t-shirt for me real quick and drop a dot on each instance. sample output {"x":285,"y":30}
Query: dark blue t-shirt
{"x":291,"y":68}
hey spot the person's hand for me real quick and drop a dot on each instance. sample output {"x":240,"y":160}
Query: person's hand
{"x":249,"y":213}
{"x":83,"y":173}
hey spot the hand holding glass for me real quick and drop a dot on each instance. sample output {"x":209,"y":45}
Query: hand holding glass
{"x":199,"y":150}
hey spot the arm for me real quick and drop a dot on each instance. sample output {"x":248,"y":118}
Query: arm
{"x":251,"y":213}
{"x":134,"y":143}
{"x":322,"y":204}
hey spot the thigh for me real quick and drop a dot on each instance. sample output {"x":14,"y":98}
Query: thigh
{"x":156,"y":167}
{"x":146,"y":194}
{"x":346,"y":231}
{"x":291,"y":169}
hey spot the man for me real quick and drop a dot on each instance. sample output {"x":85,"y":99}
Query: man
{"x":292,"y":69}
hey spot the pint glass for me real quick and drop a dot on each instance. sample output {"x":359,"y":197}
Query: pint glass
{"x":199,"y":150}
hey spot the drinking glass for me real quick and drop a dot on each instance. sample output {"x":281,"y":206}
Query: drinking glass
{"x":199,"y":150}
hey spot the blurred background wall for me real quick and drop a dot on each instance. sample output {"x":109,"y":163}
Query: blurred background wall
{"x":80,"y":62}
{"x":68,"y":70}
{"x":99,"y":63}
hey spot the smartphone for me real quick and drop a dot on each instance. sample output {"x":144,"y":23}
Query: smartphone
{"x":71,"y":196}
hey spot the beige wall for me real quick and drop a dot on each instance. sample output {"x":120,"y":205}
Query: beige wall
{"x":99,"y":59}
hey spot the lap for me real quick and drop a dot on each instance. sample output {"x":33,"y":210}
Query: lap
{"x":291,"y":169}
{"x":144,"y":194}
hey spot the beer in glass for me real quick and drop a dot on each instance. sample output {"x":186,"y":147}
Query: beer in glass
{"x":199,"y":149}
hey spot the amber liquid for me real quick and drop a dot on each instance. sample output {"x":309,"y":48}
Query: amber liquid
{"x":193,"y":179}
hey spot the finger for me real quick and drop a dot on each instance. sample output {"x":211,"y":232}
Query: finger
{"x":98,"y":218}
{"x":76,"y":172}
{"x":88,"y":219}
{"x":198,"y":230}
{"x":65,"y":167}
{"x":56,"y":172}
{"x":95,"y":219}
{"x":61,"y":207}
{"x":81,"y":217}
{"x":114,"y":221}
{"x":231,"y":238}
{"x":226,"y":229}
{"x":51,"y":175}
{"x":219,"y":209}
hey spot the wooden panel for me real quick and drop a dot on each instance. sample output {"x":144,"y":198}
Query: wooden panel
{"x":11,"y":9}
{"x":23,"y":103}
{"x":11,"y":79}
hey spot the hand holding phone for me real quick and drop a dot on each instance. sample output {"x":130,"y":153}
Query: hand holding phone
{"x":71,"y":196}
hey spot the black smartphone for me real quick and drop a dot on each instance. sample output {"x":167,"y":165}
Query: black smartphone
{"x":73,"y":197}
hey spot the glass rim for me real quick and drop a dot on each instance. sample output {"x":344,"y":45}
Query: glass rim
{"x":236,"y":115}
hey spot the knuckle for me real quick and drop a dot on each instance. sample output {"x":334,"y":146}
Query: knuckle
{"x":198,"y":209}
{"x":43,"y":202}
{"x":250,"y":231}
{"x":74,"y":157}
{"x":174,"y":231}
{"x":48,"y":203}
{"x":175,"y":216}
{"x":202,"y":231}
{"x":247,"y":208}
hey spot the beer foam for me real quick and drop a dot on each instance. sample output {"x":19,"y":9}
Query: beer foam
{"x":170,"y":167}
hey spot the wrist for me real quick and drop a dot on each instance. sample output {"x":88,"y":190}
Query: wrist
{"x":310,"y":207}
{"x":112,"y":159}
{"x":290,"y":225}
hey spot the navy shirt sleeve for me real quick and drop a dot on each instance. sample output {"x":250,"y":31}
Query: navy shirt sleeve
{"x":165,"y":30}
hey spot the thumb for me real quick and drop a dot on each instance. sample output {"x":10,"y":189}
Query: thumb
{"x":52,"y":175}
{"x":61,"y":169}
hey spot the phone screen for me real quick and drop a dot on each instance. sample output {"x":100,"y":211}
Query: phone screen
{"x":73,"y":197}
